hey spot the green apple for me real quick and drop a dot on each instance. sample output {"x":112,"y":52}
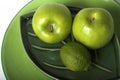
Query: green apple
{"x":93,"y":27}
{"x":52,"y":22}
{"x":75,"y":56}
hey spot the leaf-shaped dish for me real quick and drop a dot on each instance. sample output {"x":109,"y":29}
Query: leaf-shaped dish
{"x":47,"y":57}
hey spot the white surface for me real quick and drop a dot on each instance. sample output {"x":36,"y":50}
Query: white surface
{"x":8,"y":9}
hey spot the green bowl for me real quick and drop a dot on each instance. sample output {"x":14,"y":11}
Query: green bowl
{"x":23,"y":58}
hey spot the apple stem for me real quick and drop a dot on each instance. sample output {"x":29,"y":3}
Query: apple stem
{"x":51,"y":27}
{"x":92,"y":19}
{"x":102,"y":68}
{"x":47,"y":49}
{"x":53,"y":66}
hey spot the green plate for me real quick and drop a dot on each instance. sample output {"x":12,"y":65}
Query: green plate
{"x":23,"y":59}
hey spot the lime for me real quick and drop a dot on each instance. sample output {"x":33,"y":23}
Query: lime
{"x":75,"y":56}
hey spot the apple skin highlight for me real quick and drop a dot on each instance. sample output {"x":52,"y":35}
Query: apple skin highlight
{"x":93,"y":27}
{"x":52,"y":22}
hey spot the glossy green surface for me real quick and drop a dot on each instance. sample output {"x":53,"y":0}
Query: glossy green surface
{"x":93,"y":27}
{"x":55,"y":26}
{"x":47,"y":56}
{"x":16,"y":63}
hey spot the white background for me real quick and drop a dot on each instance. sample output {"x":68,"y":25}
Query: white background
{"x":8,"y":9}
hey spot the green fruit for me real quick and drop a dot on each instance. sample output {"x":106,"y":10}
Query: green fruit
{"x":75,"y":57}
{"x":93,"y":27}
{"x":52,"y":22}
